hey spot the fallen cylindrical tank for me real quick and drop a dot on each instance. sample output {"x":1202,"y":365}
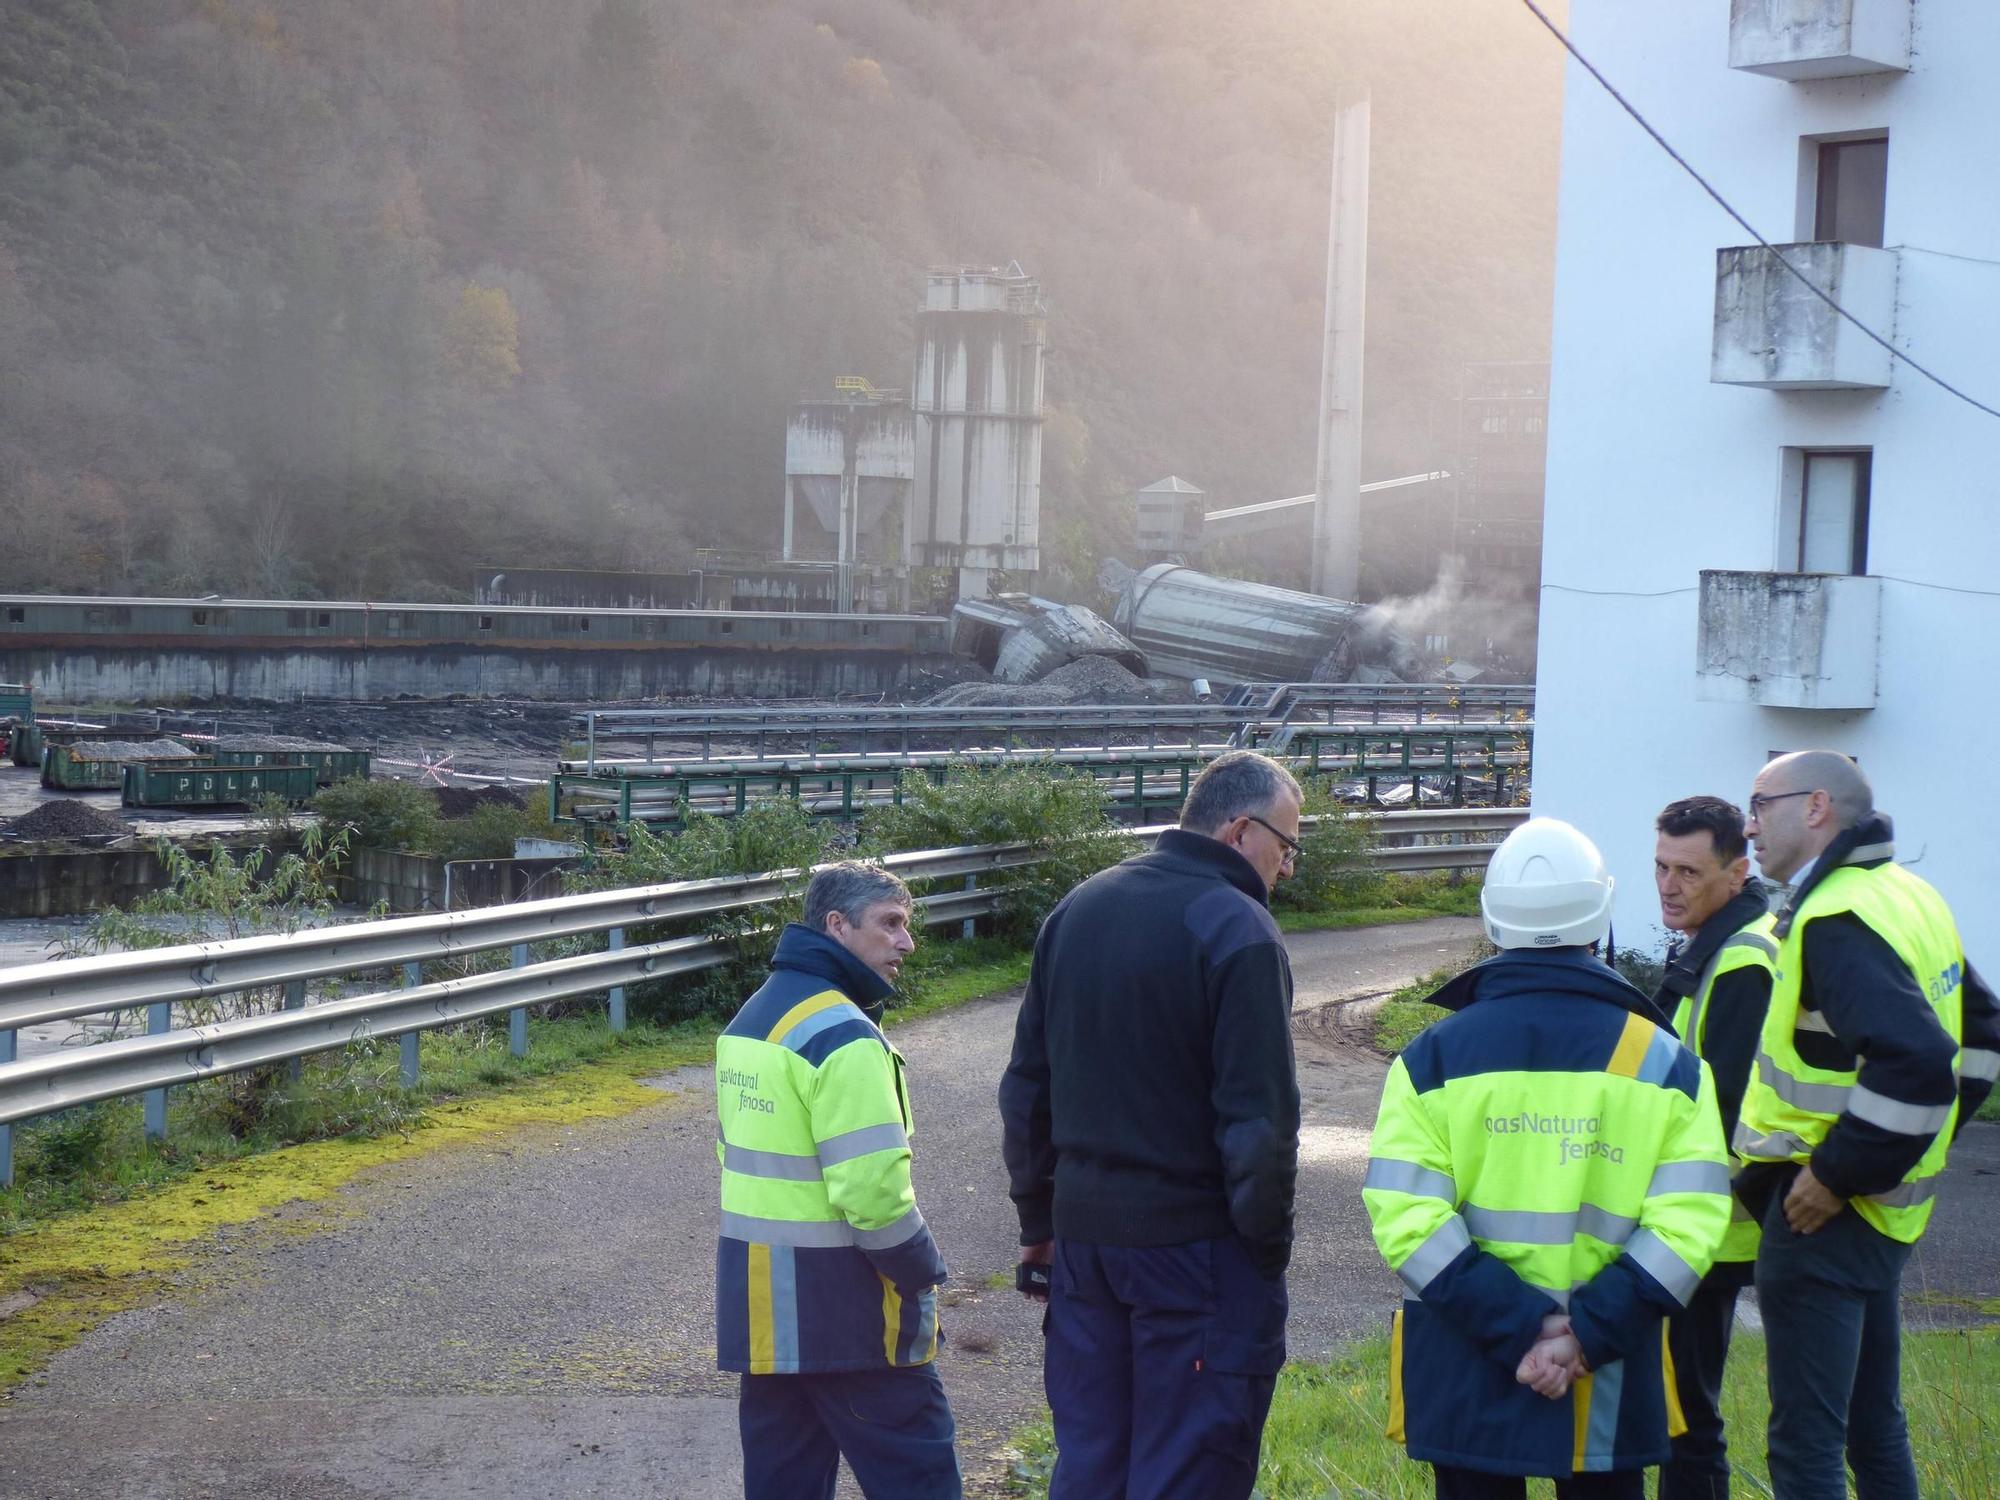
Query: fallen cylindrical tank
{"x":1022,"y":639}
{"x":1193,"y":624}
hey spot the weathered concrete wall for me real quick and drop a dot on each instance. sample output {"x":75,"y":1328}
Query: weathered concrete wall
{"x":183,"y":674}
{"x":418,"y":882}
{"x":64,"y":883}
{"x":1655,"y":474}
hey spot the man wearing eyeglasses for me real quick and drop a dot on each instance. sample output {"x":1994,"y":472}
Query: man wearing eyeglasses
{"x":1151,"y":1116}
{"x":1879,"y":1041}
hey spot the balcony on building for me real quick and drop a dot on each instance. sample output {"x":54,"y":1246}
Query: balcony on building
{"x":1771,"y":331}
{"x":1800,"y":40}
{"x":1788,"y":640}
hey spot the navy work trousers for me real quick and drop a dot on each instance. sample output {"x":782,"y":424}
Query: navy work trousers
{"x":1159,"y":1365}
{"x":893,"y":1426}
{"x":1698,"y":1339}
{"x":1833,"y":1338}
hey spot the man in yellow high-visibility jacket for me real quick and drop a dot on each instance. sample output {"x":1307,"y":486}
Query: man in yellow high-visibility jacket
{"x":1878,"y":1042}
{"x":1548,"y":1178}
{"x":1717,"y":987}
{"x":826,"y":1275}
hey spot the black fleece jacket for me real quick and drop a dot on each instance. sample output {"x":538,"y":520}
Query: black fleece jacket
{"x":1736,"y":1005}
{"x":1152,"y":1098}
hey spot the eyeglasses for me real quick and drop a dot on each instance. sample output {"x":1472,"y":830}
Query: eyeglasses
{"x":1292,"y":846}
{"x":1760,"y":800}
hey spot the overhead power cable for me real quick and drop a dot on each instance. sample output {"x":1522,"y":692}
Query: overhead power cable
{"x":1748,"y":228}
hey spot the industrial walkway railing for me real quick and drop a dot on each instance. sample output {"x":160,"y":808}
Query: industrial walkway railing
{"x":157,"y":979}
{"x":1266,"y":722}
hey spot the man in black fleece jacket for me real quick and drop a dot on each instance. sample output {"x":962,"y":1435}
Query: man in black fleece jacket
{"x":1152,"y":1123}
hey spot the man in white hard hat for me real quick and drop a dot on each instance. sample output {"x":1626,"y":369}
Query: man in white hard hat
{"x":1548,"y":1178}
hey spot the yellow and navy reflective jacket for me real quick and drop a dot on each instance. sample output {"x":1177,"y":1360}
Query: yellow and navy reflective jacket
{"x":1551,"y":1147}
{"x":1719,"y":988}
{"x":1859,"y":1067}
{"x":824,"y":1262}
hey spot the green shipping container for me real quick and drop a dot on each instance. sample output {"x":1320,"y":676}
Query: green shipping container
{"x":17,"y":701}
{"x":73,"y":768}
{"x":328,"y":766}
{"x":207,"y":784}
{"x":24,"y":744}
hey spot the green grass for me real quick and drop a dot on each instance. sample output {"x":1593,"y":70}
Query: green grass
{"x":1324,"y":1438}
{"x":1392,"y":898}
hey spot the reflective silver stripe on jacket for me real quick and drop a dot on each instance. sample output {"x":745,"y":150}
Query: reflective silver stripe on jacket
{"x":1516,"y":1226}
{"x":1893,"y":1114}
{"x":1907,"y":1194}
{"x":1688,"y":1177}
{"x":1779,"y":1145}
{"x":1979,"y":1063}
{"x":863,"y":1142}
{"x":1389,"y":1175}
{"x":777,"y":1166}
{"x":1817,"y":1098}
{"x":1663,"y":1265}
{"x":815,"y":1234}
{"x":889,"y":1236}
{"x":1447,"y":1242}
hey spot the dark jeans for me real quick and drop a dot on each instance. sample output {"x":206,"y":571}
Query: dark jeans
{"x":1833,"y":1326}
{"x":1470,"y":1484}
{"x":893,"y":1426}
{"x":1159,"y":1366}
{"x":1698,"y":1338}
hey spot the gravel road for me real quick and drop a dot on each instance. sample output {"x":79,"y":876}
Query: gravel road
{"x":532,"y":1317}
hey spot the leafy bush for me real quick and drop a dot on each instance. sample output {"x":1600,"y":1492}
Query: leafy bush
{"x":1333,"y":868}
{"x":1059,"y":811}
{"x":765,"y":837}
{"x":489,"y":831}
{"x":383,"y":814}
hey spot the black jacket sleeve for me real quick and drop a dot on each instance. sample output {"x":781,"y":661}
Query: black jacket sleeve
{"x":1027,"y":1141}
{"x":1733,"y":1027}
{"x":1869,"y":998}
{"x":1979,"y":1046}
{"x":1256,"y":1098}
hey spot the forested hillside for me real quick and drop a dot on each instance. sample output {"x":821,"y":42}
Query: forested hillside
{"x":347,"y":297}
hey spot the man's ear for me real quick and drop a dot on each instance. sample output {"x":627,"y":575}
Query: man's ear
{"x":1739,"y":871}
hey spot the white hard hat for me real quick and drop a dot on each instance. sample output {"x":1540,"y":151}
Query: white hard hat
{"x":1546,"y":887}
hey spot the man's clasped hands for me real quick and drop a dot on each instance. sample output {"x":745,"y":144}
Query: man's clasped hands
{"x":1555,"y":1361}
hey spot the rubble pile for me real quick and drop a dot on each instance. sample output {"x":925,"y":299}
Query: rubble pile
{"x":65,"y":818}
{"x":463,"y":801}
{"x":128,"y":750}
{"x":1088,"y":679}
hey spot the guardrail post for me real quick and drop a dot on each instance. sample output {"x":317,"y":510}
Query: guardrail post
{"x":617,"y":990}
{"x":295,"y":999}
{"x":159,"y":1019}
{"x":517,"y":1018}
{"x":6,"y":1131}
{"x":965,"y":928}
{"x":412,"y":1060}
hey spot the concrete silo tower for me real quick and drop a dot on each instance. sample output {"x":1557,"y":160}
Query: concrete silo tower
{"x":977,"y":401}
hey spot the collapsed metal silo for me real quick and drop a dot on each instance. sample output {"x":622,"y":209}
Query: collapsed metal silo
{"x":1193,"y":624}
{"x":848,"y":469}
{"x":977,"y":397}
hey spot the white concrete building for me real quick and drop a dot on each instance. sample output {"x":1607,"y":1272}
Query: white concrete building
{"x":1761,"y":533}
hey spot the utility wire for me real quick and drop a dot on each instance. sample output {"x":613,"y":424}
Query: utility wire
{"x":1748,"y":228}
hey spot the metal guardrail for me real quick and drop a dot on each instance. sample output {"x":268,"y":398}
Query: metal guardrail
{"x":156,"y":979}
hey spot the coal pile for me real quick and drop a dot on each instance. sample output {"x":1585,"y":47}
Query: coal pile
{"x":65,"y":818}
{"x":463,"y":802}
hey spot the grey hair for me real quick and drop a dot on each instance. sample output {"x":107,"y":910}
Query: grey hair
{"x":1833,"y":773}
{"x":850,"y":888}
{"x":1234,"y":784}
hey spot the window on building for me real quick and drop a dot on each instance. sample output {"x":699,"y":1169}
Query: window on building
{"x":486,"y":622}
{"x":1826,"y":510}
{"x":17,"y":614}
{"x":1851,"y":189}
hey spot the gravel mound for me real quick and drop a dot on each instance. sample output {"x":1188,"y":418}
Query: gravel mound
{"x":1088,"y":679}
{"x":124,"y":750}
{"x":66,"y":818}
{"x":273,"y":742}
{"x":463,"y":801}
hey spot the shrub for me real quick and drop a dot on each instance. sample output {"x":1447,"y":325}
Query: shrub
{"x":1333,"y":868}
{"x":382,"y":814}
{"x":1059,"y":811}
